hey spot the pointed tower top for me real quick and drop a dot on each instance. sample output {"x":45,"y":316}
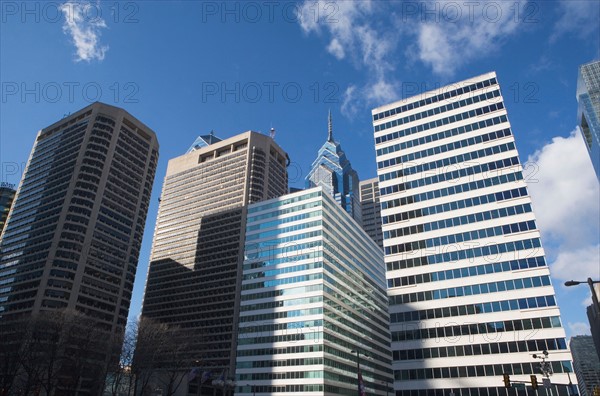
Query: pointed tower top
{"x":330,"y":129}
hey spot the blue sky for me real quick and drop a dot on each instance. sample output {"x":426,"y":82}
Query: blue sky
{"x":187,"y":67}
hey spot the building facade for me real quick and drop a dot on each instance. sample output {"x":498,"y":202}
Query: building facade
{"x":332,"y":171}
{"x":588,"y":112}
{"x":194,"y":276}
{"x":593,"y":314}
{"x":586,"y":364}
{"x":470,"y":292}
{"x":312,"y":297}
{"x":371,"y":210}
{"x":73,"y":236}
{"x":7,"y":195}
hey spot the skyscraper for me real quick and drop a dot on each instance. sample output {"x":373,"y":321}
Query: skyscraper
{"x":7,"y":195}
{"x":73,"y":236}
{"x":470,"y":292}
{"x":371,"y":211}
{"x":586,"y":364}
{"x":194,"y":277}
{"x":588,"y":112}
{"x":313,"y":304}
{"x":332,"y":171}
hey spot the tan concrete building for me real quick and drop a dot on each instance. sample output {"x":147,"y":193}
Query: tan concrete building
{"x":194,"y":276}
{"x":73,"y":235}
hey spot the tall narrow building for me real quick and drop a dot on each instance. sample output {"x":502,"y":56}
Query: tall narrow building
{"x":588,"y":112}
{"x":313,"y":315}
{"x":72,"y":238}
{"x":586,"y":364}
{"x":371,"y":210}
{"x":194,"y":277}
{"x":470,"y":292}
{"x":7,"y":196}
{"x":332,"y":171}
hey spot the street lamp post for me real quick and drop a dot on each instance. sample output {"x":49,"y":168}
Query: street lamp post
{"x":591,"y":283}
{"x":357,"y":351}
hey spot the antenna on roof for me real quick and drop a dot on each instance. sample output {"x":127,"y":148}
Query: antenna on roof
{"x":272,"y":133}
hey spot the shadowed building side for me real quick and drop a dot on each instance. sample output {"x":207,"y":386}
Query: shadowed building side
{"x":200,"y":228}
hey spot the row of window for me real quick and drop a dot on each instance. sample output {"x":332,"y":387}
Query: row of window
{"x":487,"y":370}
{"x":280,"y":363}
{"x":436,"y":98}
{"x":278,"y":315}
{"x":279,"y":222}
{"x":491,"y":348}
{"x":462,"y":237}
{"x":444,"y":148}
{"x":459,"y":220}
{"x":446,"y":162}
{"x":282,"y":292}
{"x":296,"y":349}
{"x":283,"y":202}
{"x":281,"y":303}
{"x":516,"y":390}
{"x":456,"y":331}
{"x":290,"y":252}
{"x":312,"y":335}
{"x":450,"y":206}
{"x":476,"y":270}
{"x":281,"y":271}
{"x":269,"y":328}
{"x":456,"y":174}
{"x":431,"y":112}
{"x":495,"y":250}
{"x":472,"y":290}
{"x":474,"y":309}
{"x":278,"y":390}
{"x":442,"y":135}
{"x":436,"y":123}
{"x":269,"y":243}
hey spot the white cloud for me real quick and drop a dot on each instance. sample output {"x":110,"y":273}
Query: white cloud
{"x":336,"y":49}
{"x":349,"y":103}
{"x":566,"y":200}
{"x":83,"y":26}
{"x":579,"y":328}
{"x":449,"y":38}
{"x":565,"y":191}
{"x":578,"y":264}
{"x":578,"y":17}
{"x":355,"y":35}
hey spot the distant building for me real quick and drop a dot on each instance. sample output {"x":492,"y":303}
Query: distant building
{"x":594,"y":318}
{"x":588,"y":112}
{"x":471,"y":297}
{"x":313,"y":294}
{"x":72,"y":240}
{"x":7,"y":195}
{"x":371,"y":210}
{"x":332,"y":171}
{"x":194,"y":276}
{"x":586,"y":364}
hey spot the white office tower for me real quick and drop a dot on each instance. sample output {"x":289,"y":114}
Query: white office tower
{"x":313,"y":295}
{"x":469,"y":288}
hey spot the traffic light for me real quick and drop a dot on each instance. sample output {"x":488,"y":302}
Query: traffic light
{"x":534,"y":383}
{"x":506,"y":380}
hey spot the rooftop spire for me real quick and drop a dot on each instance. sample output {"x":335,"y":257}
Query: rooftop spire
{"x":330,"y":128}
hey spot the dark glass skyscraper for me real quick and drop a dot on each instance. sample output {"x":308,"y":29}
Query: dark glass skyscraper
{"x":588,"y":113}
{"x":7,"y":195}
{"x":332,"y":171}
